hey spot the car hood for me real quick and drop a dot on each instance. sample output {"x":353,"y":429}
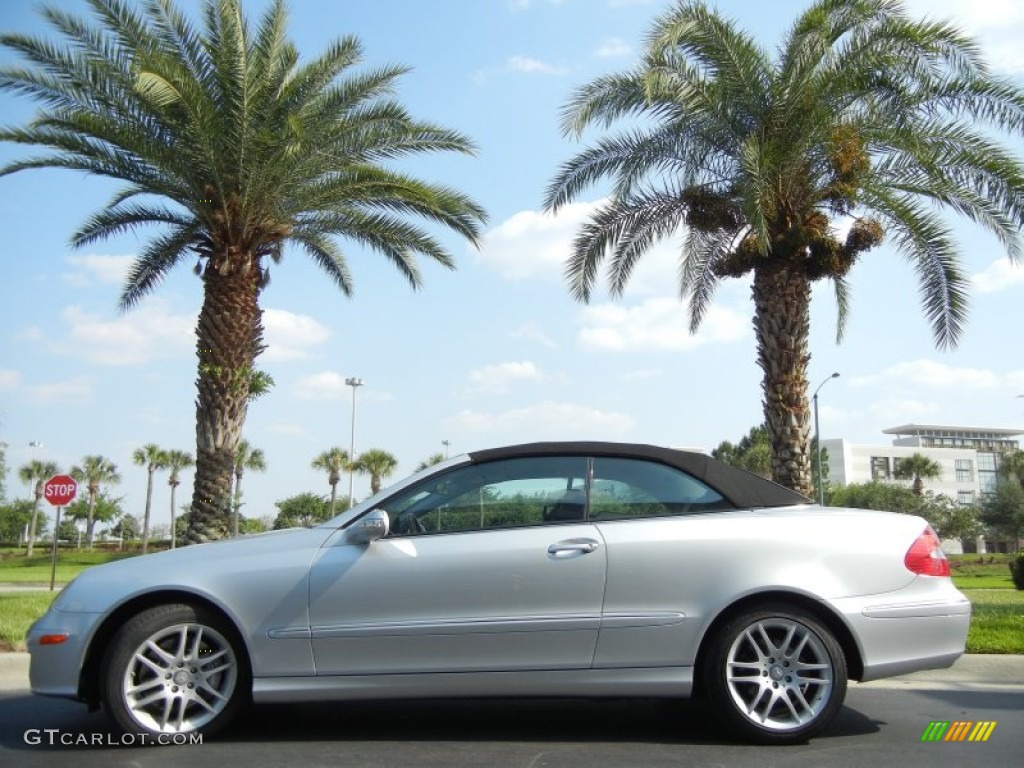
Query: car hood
{"x":193,"y":567}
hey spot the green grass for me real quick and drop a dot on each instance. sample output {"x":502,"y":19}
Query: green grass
{"x":981,"y":571}
{"x":16,"y":568}
{"x":997,"y":622}
{"x":17,"y":611}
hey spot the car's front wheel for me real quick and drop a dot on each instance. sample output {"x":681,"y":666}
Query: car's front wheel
{"x":174,"y":669}
{"x":774,"y":675}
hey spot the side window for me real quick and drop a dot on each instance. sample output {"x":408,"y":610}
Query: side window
{"x":633,"y":488}
{"x":500,"y":494}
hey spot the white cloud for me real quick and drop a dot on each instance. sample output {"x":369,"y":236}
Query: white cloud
{"x":535,"y":245}
{"x":532,"y":66}
{"x":545,"y":421}
{"x":627,"y":3}
{"x":289,"y":335}
{"x":613,"y":48}
{"x":75,"y":391}
{"x":326,"y":385}
{"x":998,"y":276}
{"x":531,"y":332}
{"x":657,"y":323}
{"x":928,"y":373}
{"x":101,"y":267}
{"x":144,"y":334}
{"x":9,"y":380}
{"x":495,"y":379}
{"x":892,"y":409}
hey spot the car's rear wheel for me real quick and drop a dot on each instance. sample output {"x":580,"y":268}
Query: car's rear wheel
{"x":774,"y":675}
{"x":174,"y":669}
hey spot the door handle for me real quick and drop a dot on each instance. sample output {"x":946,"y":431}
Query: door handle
{"x":571,"y":547}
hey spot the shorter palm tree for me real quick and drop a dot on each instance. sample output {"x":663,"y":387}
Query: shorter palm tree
{"x":246,"y":457}
{"x":334,"y":461}
{"x":36,"y":472}
{"x":378,"y":465}
{"x":94,"y":471}
{"x":431,"y":460}
{"x":175,"y":461}
{"x":917,"y":467}
{"x":152,"y":457}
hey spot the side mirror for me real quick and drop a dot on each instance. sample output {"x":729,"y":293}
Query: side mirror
{"x":370,"y":527}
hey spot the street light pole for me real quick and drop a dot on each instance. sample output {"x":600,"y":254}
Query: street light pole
{"x":817,"y":438}
{"x":446,"y":444}
{"x":355,"y":384}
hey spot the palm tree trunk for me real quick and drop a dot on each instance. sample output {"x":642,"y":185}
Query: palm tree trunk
{"x":236,"y":507}
{"x":782,"y":324}
{"x":90,"y":521}
{"x":334,"y":496}
{"x":174,"y":531}
{"x":229,"y":337}
{"x":34,"y":519}
{"x":149,"y":504}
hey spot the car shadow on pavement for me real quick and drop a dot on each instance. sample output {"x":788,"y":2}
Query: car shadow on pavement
{"x":651,"y":721}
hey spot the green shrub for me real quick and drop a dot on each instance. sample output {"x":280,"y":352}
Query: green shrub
{"x":1017,"y":571}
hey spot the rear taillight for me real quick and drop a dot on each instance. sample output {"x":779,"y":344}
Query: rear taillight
{"x":925,"y":556}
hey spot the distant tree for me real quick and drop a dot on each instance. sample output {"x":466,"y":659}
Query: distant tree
{"x":100,"y":508}
{"x":917,"y":467}
{"x":950,"y":519}
{"x":126,"y":528}
{"x":35,"y":473}
{"x":174,"y":462}
{"x":1003,"y":511}
{"x":303,"y":510}
{"x":14,"y":517}
{"x":1011,"y":466}
{"x":250,"y":525}
{"x":246,"y":458}
{"x":753,"y":452}
{"x":94,"y":471}
{"x":334,"y":461}
{"x":431,"y":460}
{"x":378,"y":464}
{"x":152,"y":457}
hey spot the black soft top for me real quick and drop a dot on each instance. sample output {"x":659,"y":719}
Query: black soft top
{"x":741,"y":488}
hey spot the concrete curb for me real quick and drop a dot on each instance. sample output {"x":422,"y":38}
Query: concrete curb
{"x":974,"y":670}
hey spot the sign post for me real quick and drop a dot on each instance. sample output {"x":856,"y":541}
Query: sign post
{"x":59,"y":491}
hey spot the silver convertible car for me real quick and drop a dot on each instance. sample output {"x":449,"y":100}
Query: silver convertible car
{"x":551,"y":569}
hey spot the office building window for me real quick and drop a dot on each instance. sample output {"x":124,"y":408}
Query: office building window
{"x":964,"y":471}
{"x":880,"y":468}
{"x":965,"y":498}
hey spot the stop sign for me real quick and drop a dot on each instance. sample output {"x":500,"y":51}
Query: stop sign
{"x":60,"y":490}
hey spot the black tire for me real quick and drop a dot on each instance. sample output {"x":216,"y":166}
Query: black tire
{"x":770,"y":645}
{"x":175,"y":669}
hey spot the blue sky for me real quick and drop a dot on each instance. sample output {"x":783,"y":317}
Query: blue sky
{"x":496,"y":351}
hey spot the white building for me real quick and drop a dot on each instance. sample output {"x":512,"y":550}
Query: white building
{"x":969,"y":458}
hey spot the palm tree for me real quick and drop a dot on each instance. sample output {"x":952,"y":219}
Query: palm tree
{"x":378,"y":465}
{"x":175,"y":461}
{"x":334,"y":461}
{"x":232,"y":148}
{"x":152,"y":457}
{"x":246,"y":457}
{"x":917,"y":467}
{"x":1011,"y":466}
{"x":431,"y":460}
{"x":750,"y":159}
{"x":94,"y":471}
{"x":35,"y":473}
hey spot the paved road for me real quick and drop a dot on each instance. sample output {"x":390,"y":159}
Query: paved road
{"x":880,"y":726}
